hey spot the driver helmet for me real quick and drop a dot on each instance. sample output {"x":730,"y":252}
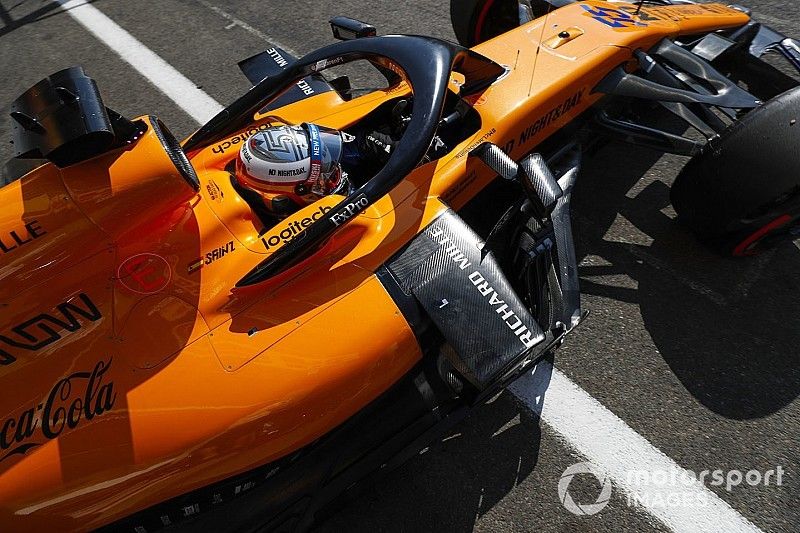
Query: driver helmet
{"x":292,"y":166}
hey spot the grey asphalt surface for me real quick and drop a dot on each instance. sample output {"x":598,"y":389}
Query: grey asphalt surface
{"x":696,"y":353}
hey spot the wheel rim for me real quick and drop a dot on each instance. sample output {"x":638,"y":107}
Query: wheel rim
{"x":492,"y":19}
{"x":482,"y":20}
{"x":749,"y":246}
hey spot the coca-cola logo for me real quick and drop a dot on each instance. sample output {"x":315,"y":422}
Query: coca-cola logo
{"x":79,"y":397}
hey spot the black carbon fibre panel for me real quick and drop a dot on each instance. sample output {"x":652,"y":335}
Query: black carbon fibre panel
{"x":468,"y":298}
{"x":407,"y":263}
{"x":497,"y":160}
{"x":541,"y":181}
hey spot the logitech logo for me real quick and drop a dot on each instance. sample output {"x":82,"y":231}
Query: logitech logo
{"x":293,"y":228}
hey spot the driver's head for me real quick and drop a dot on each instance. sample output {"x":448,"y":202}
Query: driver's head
{"x":296,"y":164}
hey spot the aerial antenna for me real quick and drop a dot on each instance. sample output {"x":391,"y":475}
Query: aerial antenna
{"x":525,"y":7}
{"x":639,"y":8}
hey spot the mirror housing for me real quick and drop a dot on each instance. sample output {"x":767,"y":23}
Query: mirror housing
{"x":346,"y":29}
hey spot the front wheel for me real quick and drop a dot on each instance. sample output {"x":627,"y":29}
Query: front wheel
{"x":476,"y":21}
{"x":742,"y":193}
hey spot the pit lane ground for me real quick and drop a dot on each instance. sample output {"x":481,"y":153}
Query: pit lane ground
{"x":697,"y":354}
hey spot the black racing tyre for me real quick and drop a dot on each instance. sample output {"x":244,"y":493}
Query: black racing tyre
{"x":742,"y":193}
{"x":476,"y":21}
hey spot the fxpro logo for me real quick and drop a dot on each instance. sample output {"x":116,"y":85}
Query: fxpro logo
{"x":350,"y":210}
{"x":293,"y":228}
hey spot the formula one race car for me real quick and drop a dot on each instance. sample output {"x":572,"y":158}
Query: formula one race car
{"x":174,"y":355}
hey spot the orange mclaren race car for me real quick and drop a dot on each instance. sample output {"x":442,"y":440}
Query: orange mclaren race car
{"x":233,"y":331}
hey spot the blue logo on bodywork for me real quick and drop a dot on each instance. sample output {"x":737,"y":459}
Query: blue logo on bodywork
{"x":616,"y":18}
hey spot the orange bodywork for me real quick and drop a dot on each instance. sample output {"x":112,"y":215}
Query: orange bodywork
{"x":133,"y":372}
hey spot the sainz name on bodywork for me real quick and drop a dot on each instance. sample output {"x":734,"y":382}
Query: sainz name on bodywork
{"x":210,"y":257}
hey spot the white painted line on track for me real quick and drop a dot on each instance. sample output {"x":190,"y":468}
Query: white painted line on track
{"x":610,"y":444}
{"x":585,"y":424}
{"x":199,"y":105}
{"x":245,"y":26}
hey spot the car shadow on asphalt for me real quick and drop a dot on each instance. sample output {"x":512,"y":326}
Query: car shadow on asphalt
{"x":12,"y":21}
{"x":454,"y":481}
{"x":727,"y":327}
